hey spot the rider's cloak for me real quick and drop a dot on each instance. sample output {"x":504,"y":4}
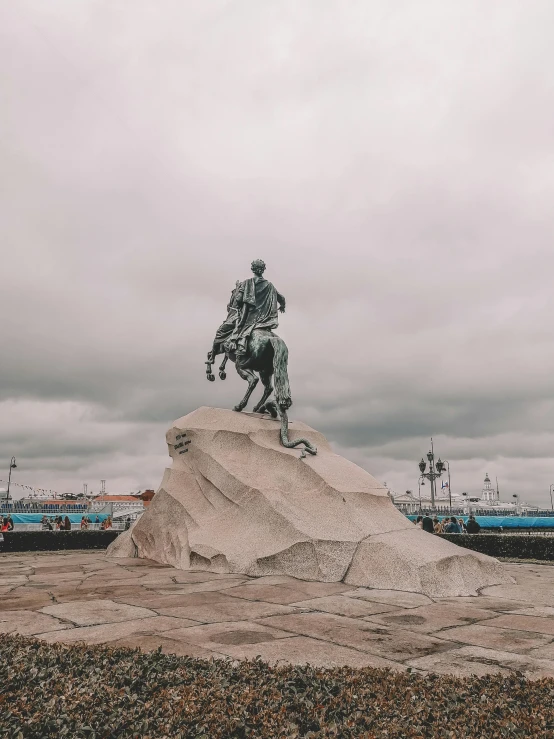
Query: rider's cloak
{"x":262,"y":301}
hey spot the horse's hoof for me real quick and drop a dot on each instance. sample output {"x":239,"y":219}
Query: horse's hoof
{"x":223,"y":375}
{"x":238,"y":408}
{"x":211,"y":378}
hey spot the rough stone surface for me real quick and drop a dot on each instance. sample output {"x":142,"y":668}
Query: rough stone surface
{"x":236,"y":501}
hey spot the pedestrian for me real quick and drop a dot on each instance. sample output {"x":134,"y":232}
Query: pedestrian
{"x":97,"y":519}
{"x":10,"y":523}
{"x":127,"y":523}
{"x":462,"y":526}
{"x":67,"y":524}
{"x":4,"y":523}
{"x":427,"y":524}
{"x":452,"y":526}
{"x":419,"y":522}
{"x":472,"y":526}
{"x":437,"y":528}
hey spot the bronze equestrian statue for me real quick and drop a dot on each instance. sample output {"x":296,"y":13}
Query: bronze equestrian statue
{"x":246,"y":338}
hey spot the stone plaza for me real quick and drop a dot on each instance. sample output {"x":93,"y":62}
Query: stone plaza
{"x":74,"y":597}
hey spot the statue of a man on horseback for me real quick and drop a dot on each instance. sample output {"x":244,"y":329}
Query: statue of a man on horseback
{"x":246,"y":338}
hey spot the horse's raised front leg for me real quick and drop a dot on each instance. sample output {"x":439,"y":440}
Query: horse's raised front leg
{"x":222,"y":373}
{"x":265,"y":377}
{"x":252,"y":380}
{"x":211,"y":360}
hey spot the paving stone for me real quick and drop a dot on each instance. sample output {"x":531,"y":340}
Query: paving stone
{"x":224,"y":635}
{"x":198,"y":587}
{"x":545,"y":651}
{"x":9,"y":570}
{"x":136,"y":562}
{"x":191,"y":576}
{"x":64,"y":594}
{"x":433,"y":618}
{"x":397,"y":645}
{"x":28,"y":623}
{"x":53,"y":578}
{"x":69,"y":585}
{"x":91,"y":612}
{"x":524,"y":623}
{"x":353,"y":607}
{"x":398,"y":598}
{"x":320,"y":589}
{"x":227,"y":611}
{"x":266,"y":593}
{"x":543,"y":611}
{"x":103,"y":576}
{"x":154,"y":600}
{"x":14,"y":579}
{"x":298,"y":650}
{"x":103,"y":633}
{"x":48,"y":569}
{"x":508,"y":640}
{"x":275,"y":580}
{"x":105,"y":582}
{"x":98,"y":566}
{"x":480,"y":661}
{"x":531,"y":594}
{"x":486,"y":601}
{"x":24,"y":599}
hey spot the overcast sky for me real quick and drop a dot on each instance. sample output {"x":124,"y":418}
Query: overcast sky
{"x":393,"y":164}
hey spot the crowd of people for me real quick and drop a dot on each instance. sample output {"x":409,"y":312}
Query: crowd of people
{"x":62,"y":523}
{"x":448,"y":525}
{"x":86,"y":522}
{"x":58,"y":523}
{"x":7,"y":523}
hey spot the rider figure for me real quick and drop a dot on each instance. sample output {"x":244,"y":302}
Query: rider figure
{"x":258,"y":303}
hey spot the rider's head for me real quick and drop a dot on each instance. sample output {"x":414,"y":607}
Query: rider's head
{"x":258,"y":267}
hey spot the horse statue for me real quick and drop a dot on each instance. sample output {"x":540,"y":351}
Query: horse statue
{"x":247,"y":339}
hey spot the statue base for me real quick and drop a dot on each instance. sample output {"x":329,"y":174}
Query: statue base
{"x":236,"y":501}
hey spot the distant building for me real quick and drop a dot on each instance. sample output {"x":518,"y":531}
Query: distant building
{"x":488,"y":500}
{"x":488,"y":493}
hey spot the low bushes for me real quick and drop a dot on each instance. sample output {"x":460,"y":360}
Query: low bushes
{"x":506,"y":545}
{"x":52,"y":541}
{"x":50,"y":691}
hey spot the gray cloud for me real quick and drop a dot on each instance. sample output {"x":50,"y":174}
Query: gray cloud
{"x":391,"y":163}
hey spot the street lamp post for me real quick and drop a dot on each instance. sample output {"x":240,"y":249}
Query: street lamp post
{"x":551,"y":504}
{"x":435,"y":470}
{"x":12,"y":467}
{"x":447,"y":463}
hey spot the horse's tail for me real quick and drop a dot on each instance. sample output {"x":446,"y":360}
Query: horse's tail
{"x":280,"y":374}
{"x":283,"y":396}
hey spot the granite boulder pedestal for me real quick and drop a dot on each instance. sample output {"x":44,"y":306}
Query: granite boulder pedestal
{"x":236,"y":501}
